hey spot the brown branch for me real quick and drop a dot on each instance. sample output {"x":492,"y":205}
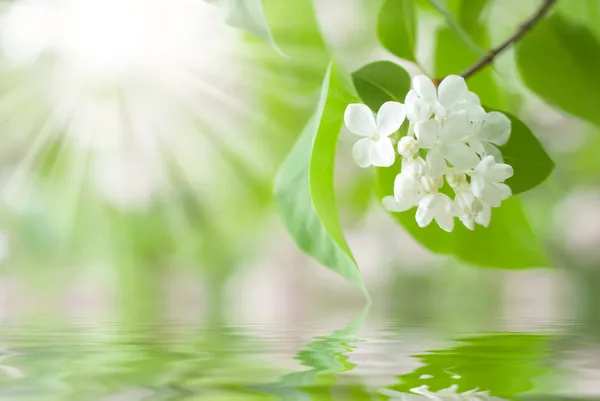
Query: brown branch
{"x":522,"y":30}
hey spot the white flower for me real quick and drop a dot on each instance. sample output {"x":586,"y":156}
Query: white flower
{"x":408,"y":189}
{"x":448,"y":394}
{"x":407,"y":193}
{"x":471,"y":105}
{"x":487,"y":181}
{"x":443,"y":140}
{"x":415,"y":167}
{"x":471,"y":210}
{"x":424,"y":100}
{"x":376,"y":149}
{"x":438,"y":207}
{"x":494,"y":130}
{"x":408,"y":146}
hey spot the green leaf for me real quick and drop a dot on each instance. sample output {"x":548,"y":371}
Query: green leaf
{"x":249,"y":16}
{"x":304,"y":185}
{"x":454,"y":25}
{"x":559,"y":61}
{"x":525,"y":154}
{"x":508,"y":243}
{"x":504,"y":364}
{"x":585,"y":12}
{"x":381,"y":82}
{"x":397,"y":28}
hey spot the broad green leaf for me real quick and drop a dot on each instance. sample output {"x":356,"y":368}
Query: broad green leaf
{"x":397,"y":28}
{"x":470,"y":15}
{"x":525,"y":154}
{"x":504,"y":364}
{"x":304,"y":185}
{"x":454,"y":25}
{"x":247,"y":15}
{"x":585,"y":12}
{"x":380,"y":82}
{"x":508,"y":242}
{"x":559,"y":61}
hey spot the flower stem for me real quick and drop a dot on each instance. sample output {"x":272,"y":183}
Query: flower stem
{"x":520,"y":32}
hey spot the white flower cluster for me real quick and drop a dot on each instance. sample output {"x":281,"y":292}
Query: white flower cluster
{"x":449,"y":136}
{"x":450,"y":394}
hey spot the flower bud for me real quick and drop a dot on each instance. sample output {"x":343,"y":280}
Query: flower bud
{"x":408,"y":146}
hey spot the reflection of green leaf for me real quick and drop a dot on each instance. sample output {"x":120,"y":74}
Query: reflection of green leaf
{"x":397,"y":28}
{"x":504,"y":364}
{"x":380,"y":82}
{"x":559,"y":61}
{"x":508,"y":242}
{"x":327,"y":357}
{"x":304,"y":186}
{"x":524,"y":152}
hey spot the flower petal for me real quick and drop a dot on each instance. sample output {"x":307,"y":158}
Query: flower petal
{"x":452,"y":90}
{"x":425,"y":88}
{"x":390,"y":117}
{"x":417,"y":109}
{"x":493,"y":151}
{"x":406,"y":187}
{"x":425,"y":213}
{"x":476,"y":145}
{"x":456,"y":127}
{"x":484,"y":165}
{"x":472,"y":98}
{"x":436,"y":165}
{"x":475,"y":112}
{"x":505,"y":191}
{"x":360,"y":120}
{"x":382,"y":153}
{"x":499,"y":172}
{"x":414,"y":168}
{"x":496,"y":128}
{"x":484,"y":217}
{"x":444,"y":212}
{"x":468,"y":222}
{"x":392,"y":204}
{"x":488,"y":192}
{"x":427,"y":132}
{"x":461,"y":156}
{"x":362,"y":152}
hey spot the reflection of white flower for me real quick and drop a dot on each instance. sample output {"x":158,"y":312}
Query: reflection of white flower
{"x":448,"y":394}
{"x":487,"y":181}
{"x":376,"y":149}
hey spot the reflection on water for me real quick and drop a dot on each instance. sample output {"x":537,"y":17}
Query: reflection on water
{"x":361,"y":361}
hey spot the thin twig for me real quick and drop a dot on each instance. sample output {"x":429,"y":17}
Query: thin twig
{"x":523,"y":29}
